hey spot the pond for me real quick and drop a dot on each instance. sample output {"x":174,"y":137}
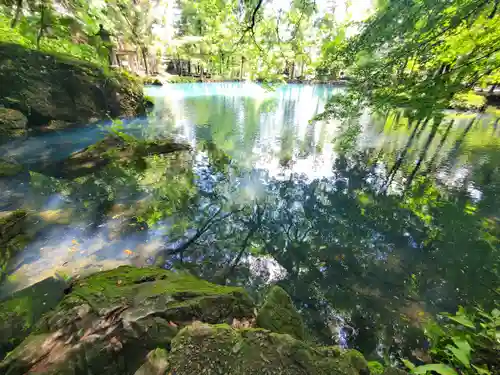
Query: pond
{"x":370,"y":227}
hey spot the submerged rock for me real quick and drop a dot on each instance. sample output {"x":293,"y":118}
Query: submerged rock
{"x":23,"y":309}
{"x":220,"y":349}
{"x":47,"y":87}
{"x":111,"y":320}
{"x":12,"y":237}
{"x":9,"y":168}
{"x":111,"y":148}
{"x":278,"y":314}
{"x":12,"y":123}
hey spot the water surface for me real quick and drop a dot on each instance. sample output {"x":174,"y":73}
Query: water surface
{"x":370,"y":230}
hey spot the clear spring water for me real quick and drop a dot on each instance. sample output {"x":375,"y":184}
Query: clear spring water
{"x":368,"y":229}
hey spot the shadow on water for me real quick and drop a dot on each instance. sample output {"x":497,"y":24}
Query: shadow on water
{"x":370,"y":232}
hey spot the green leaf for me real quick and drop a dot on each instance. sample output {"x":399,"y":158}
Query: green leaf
{"x":440,"y":368}
{"x":409,"y":365}
{"x":463,"y":320}
{"x":461,"y":355}
{"x":482,"y":371}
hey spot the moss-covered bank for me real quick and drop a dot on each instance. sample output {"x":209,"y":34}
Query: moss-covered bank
{"x":39,"y":88}
{"x":147,"y":321}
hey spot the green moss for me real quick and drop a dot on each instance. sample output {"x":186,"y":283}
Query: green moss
{"x":394,"y":371}
{"x":221,"y":349}
{"x":144,"y":308}
{"x":376,"y":368}
{"x":21,"y":311}
{"x":117,"y":147}
{"x":13,"y":216}
{"x":79,"y":91}
{"x":8,"y":169}
{"x":150,"y":292}
{"x":12,"y":238}
{"x":355,"y":358}
{"x":182,"y":79}
{"x":469,"y":101}
{"x":278,"y":314}
{"x":156,"y":363}
{"x":125,"y":283}
{"x":12,"y":123}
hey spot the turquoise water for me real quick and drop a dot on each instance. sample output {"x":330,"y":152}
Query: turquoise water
{"x":370,"y":230}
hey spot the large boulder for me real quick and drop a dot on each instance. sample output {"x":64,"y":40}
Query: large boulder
{"x":12,"y":123}
{"x":20,"y":312}
{"x":220,"y":349}
{"x":278,"y":314}
{"x":110,"y":321}
{"x":47,"y":87}
{"x":111,"y":148}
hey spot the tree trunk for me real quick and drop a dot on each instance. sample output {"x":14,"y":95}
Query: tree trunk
{"x":144,"y":52}
{"x":42,"y":26}
{"x":241,"y":67}
{"x":19,"y":7}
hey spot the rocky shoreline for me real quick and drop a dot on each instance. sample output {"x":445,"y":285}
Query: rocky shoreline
{"x":47,"y":91}
{"x":150,"y":321}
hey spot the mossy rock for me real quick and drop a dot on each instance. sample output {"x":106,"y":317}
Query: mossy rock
{"x":12,"y":123}
{"x":110,"y":321}
{"x":156,"y":363}
{"x":12,"y":237}
{"x":220,"y":349}
{"x":376,"y":368}
{"x":47,"y":87}
{"x":278,"y":314}
{"x":394,"y":371}
{"x":111,"y":149}
{"x":152,"y":81}
{"x":23,"y":309}
{"x":9,"y":168}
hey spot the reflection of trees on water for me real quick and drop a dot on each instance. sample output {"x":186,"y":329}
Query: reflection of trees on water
{"x":345,"y":246}
{"x":348,"y":252}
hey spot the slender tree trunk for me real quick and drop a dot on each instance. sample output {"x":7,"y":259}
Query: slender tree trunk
{"x":42,"y":26}
{"x":241,"y":67}
{"x":144,"y":52}
{"x":17,"y":15}
{"x":221,"y":58}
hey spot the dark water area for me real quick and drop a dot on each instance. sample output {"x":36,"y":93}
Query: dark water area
{"x":370,"y":228}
